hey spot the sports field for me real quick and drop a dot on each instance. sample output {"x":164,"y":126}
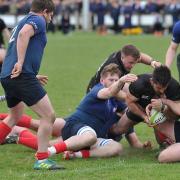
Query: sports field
{"x":69,"y":62}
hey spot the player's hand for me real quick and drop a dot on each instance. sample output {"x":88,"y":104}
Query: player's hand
{"x":147,"y":145}
{"x":146,"y":120}
{"x":128,"y":78}
{"x":156,"y":104}
{"x":16,"y":70}
{"x":155,"y":64}
{"x":148,"y":110}
{"x":42,"y":79}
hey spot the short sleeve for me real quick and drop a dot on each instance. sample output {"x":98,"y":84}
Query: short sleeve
{"x":176,"y":33}
{"x":2,"y":25}
{"x":135,"y":89}
{"x":96,"y":89}
{"x":38,"y":23}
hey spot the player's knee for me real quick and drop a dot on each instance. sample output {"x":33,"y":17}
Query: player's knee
{"x":50,"y":117}
{"x":163,"y":157}
{"x":92,"y":138}
{"x":116,"y":149}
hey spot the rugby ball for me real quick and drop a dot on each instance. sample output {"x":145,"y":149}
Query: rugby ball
{"x":156,"y":117}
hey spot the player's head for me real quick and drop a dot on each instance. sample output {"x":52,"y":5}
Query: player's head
{"x":110,"y":74}
{"x":45,"y":7}
{"x":160,"y":79}
{"x":129,"y":56}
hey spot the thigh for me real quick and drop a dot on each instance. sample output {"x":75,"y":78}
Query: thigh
{"x":43,"y":107}
{"x":102,"y":142}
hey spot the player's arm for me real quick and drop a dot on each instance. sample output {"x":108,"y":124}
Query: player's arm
{"x":171,"y":52}
{"x":113,"y":90}
{"x":135,"y":107}
{"x":22,"y":42}
{"x":148,"y":60}
{"x":135,"y":142}
{"x":173,"y":105}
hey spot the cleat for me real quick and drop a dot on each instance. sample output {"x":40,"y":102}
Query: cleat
{"x":47,"y":165}
{"x":67,"y":155}
{"x":12,"y":139}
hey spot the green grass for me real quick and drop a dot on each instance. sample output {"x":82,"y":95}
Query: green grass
{"x":69,"y":62}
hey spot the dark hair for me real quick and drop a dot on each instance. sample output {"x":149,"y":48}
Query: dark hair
{"x":40,"y":5}
{"x":130,"y":50}
{"x":161,"y":75}
{"x":112,"y":69}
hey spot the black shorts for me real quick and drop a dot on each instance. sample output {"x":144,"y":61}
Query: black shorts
{"x":134,"y":117}
{"x":25,"y":88}
{"x":177,"y":131}
{"x":71,"y":128}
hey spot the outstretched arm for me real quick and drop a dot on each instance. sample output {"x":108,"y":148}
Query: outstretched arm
{"x":114,"y":89}
{"x":148,"y":60}
{"x":171,"y":52}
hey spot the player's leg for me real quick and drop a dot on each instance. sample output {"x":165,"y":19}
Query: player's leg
{"x":102,"y":148}
{"x":178,"y":64}
{"x":46,"y":113}
{"x":11,"y":120}
{"x":58,"y":126}
{"x":77,"y":137}
{"x":171,"y":154}
{"x":106,"y":148}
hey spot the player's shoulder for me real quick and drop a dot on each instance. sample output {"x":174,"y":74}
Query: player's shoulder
{"x":176,"y":28}
{"x":36,"y":19}
{"x":141,"y":83}
{"x":143,"y":78}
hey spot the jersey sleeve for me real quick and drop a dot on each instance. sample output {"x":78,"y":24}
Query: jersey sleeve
{"x":2,"y":25}
{"x":176,"y":33}
{"x":135,"y":89}
{"x":38,"y":23}
{"x":96,"y":89}
{"x":173,"y":90}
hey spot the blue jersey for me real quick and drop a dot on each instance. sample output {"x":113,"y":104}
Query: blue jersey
{"x":97,"y":113}
{"x":176,"y":33}
{"x":34,"y":50}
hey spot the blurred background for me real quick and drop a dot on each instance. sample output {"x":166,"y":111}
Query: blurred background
{"x":103,"y":16}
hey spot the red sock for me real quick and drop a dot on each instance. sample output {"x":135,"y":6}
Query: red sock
{"x":60,"y":147}
{"x":3,"y":116}
{"x":4,"y":131}
{"x":85,"y":153}
{"x":28,"y":142}
{"x":25,"y":121}
{"x":27,"y":134}
{"x":41,"y":155}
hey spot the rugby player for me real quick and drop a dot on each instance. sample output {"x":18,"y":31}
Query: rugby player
{"x":172,"y":49}
{"x":18,"y":78}
{"x":159,"y":84}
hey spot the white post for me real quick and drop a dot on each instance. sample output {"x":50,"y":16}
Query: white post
{"x":85,"y":15}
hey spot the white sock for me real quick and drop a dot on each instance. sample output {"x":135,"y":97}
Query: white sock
{"x":52,"y":150}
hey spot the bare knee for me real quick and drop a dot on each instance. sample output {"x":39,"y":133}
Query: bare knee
{"x":163,"y":157}
{"x":116,"y":149}
{"x":92,"y":138}
{"x":50,"y":117}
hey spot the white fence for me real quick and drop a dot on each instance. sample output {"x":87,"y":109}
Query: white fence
{"x":142,"y":20}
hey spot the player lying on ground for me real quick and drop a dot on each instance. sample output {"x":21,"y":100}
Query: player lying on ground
{"x":168,"y":132}
{"x":95,"y":115}
{"x":21,"y":135}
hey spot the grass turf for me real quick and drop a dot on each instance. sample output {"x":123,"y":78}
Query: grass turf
{"x":69,"y":62}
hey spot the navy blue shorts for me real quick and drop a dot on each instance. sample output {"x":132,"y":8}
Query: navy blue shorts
{"x":25,"y":88}
{"x":71,"y":128}
{"x":133,"y":117}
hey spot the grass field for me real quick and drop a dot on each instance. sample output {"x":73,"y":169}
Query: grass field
{"x":69,"y":62}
